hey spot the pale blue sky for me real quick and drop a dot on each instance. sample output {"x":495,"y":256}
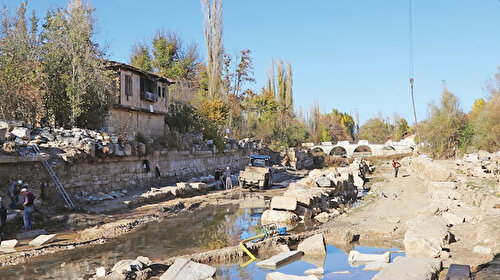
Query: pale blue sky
{"x":345,"y":54}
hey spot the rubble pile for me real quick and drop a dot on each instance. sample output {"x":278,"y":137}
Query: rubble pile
{"x":455,"y":201}
{"x":322,"y":195}
{"x":297,"y":159}
{"x":77,"y":144}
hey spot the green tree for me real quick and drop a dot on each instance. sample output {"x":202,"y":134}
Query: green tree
{"x":401,"y":128}
{"x":141,"y":58}
{"x":76,"y":63}
{"x":212,"y":27}
{"x":21,"y":85}
{"x":441,"y":134}
{"x":374,"y":130}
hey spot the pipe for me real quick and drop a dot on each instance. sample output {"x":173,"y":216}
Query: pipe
{"x":242,"y":245}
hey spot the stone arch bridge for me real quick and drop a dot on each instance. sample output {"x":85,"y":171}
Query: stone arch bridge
{"x":362,"y":148}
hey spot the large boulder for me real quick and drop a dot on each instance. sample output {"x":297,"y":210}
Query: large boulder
{"x":308,"y":197}
{"x":314,"y":245}
{"x":324,"y":182}
{"x":276,"y":216}
{"x":187,"y":269}
{"x":410,"y":269}
{"x":425,"y":236}
{"x":22,"y":132}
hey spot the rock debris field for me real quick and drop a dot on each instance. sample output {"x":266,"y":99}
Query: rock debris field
{"x":440,"y":213}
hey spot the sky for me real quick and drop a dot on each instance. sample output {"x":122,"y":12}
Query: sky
{"x":348,"y":55}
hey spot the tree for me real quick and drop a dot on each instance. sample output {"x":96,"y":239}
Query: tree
{"x":271,"y":78}
{"x":212,"y":27}
{"x":78,"y":85}
{"x":141,"y":58}
{"x":289,"y":89}
{"x":485,"y":119}
{"x":442,"y":132}
{"x":374,"y":130}
{"x":401,"y":128}
{"x":21,"y":84}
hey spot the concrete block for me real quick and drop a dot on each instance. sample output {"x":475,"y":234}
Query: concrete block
{"x":283,"y":203}
{"x":279,"y":259}
{"x":43,"y":239}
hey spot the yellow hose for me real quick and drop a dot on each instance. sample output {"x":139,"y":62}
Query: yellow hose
{"x":242,"y":245}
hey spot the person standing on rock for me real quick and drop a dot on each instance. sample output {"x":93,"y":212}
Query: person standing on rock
{"x":29,"y":208}
{"x":396,"y":166}
{"x":229,"y":182}
{"x":14,"y":194}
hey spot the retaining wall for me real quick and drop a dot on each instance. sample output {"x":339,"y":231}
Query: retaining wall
{"x":117,"y":173}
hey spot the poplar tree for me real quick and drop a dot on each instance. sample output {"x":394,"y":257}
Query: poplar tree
{"x":212,"y":27}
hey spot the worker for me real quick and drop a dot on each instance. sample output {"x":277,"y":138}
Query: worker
{"x":217,"y":176}
{"x":229,"y":182}
{"x":29,"y":208}
{"x":396,"y":165}
{"x":14,"y":194}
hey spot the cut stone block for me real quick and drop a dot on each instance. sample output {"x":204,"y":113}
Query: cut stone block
{"x":279,"y":259}
{"x":43,"y":239}
{"x":410,"y":269}
{"x":174,"y":269}
{"x":186,"y":269}
{"x":9,"y":244}
{"x":315,"y":271}
{"x":458,"y":272}
{"x":314,"y":245}
{"x":31,"y":234}
{"x":355,"y":256}
{"x":283,"y":203}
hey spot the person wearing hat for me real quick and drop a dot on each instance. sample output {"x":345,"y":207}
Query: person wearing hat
{"x":29,"y":208}
{"x":3,"y":218}
{"x":14,"y":194}
{"x":227,"y":175}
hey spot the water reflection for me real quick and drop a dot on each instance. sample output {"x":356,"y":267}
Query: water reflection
{"x":211,"y":227}
{"x":335,"y":265}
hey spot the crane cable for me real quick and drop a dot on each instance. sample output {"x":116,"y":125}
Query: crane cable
{"x":410,"y":50}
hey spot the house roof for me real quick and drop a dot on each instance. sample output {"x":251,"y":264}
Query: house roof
{"x":115,"y":64}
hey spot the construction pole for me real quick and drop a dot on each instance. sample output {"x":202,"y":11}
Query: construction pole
{"x":410,"y":51}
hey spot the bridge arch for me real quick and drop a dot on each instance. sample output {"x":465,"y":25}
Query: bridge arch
{"x":318,"y":149}
{"x":363,"y":149}
{"x":389,"y":148}
{"x":338,"y":151}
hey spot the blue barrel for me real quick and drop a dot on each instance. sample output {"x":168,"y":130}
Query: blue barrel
{"x":282,"y":231}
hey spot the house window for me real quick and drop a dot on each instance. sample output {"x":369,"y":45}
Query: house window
{"x":163,"y":91}
{"x":159,"y":91}
{"x":128,"y":86}
{"x":148,"y":89}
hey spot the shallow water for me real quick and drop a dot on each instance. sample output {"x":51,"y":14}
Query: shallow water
{"x":207,"y":228}
{"x":335,"y":261}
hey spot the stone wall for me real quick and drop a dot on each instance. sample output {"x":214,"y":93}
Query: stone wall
{"x":116,"y":173}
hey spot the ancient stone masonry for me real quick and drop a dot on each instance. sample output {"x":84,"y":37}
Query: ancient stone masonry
{"x":317,"y":195}
{"x":462,"y":210}
{"x":89,"y":162}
